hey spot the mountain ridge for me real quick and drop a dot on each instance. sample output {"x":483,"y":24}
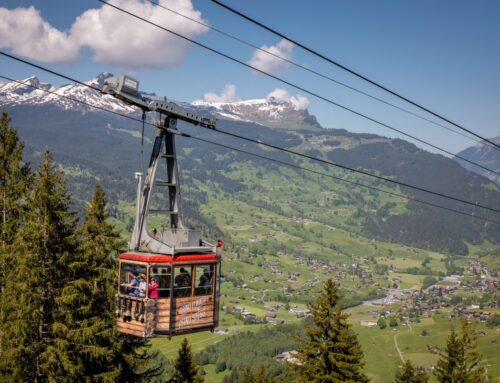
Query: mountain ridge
{"x":14,"y":93}
{"x":109,"y":148}
{"x":484,"y":154}
{"x":270,"y":111}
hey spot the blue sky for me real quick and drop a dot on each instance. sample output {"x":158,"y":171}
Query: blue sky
{"x":443,"y":54}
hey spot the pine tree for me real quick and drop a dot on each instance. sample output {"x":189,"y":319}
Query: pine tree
{"x":247,"y":376}
{"x":43,"y":247}
{"x":14,"y":177}
{"x":474,"y":370}
{"x":86,"y":323}
{"x":461,"y":361}
{"x":450,"y":360}
{"x":95,"y":351}
{"x":233,"y":377}
{"x":330,"y":352}
{"x":261,"y":375}
{"x":410,"y":374}
{"x":185,"y":370}
{"x":14,"y":181}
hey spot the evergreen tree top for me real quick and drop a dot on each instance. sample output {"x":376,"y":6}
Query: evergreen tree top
{"x":185,"y":370}
{"x":44,"y":248}
{"x":14,"y":181}
{"x":330,"y":352}
{"x":461,"y":361}
{"x":410,"y":374}
{"x":57,"y":321}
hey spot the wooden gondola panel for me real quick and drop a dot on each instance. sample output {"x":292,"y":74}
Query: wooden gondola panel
{"x":173,"y":313}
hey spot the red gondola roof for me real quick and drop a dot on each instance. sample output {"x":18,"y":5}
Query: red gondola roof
{"x":162,"y":258}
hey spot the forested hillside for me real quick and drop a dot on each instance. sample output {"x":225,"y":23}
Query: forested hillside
{"x":100,"y":146}
{"x":286,"y":230}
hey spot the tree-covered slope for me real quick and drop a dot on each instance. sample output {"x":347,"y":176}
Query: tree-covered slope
{"x":102,"y":146}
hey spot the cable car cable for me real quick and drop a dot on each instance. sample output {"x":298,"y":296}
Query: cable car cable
{"x":363,"y":172}
{"x":351,"y":71}
{"x":345,"y":167}
{"x":72,"y":99}
{"x":341,"y":179}
{"x":142,"y":140}
{"x":296,"y":64}
{"x":58,"y":74}
{"x":261,"y":156}
{"x":317,"y":95}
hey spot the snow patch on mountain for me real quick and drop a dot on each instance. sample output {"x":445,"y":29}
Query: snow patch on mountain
{"x":31,"y":91}
{"x":277,"y":110}
{"x":272,"y":111}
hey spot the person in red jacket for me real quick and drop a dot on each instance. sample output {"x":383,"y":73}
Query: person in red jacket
{"x":153,"y":288}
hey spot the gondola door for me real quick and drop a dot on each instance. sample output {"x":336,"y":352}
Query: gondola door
{"x":193,"y":298}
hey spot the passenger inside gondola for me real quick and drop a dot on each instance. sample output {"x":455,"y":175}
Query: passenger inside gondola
{"x":133,"y":284}
{"x":141,"y":290}
{"x":206,"y":278}
{"x":182,"y":285}
{"x":162,"y":276}
{"x":153,"y":288}
{"x":129,"y":278}
{"x":204,"y":274}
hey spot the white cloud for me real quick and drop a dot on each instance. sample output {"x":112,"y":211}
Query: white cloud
{"x":281,"y":95}
{"x":120,"y":39}
{"x":227,"y":95}
{"x":269,"y":63}
{"x":25,"y":32}
{"x":114,"y":37}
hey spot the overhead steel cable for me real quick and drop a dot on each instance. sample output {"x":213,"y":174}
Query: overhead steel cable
{"x":296,"y":64}
{"x":345,"y":167}
{"x":353,"y":72}
{"x":288,"y":164}
{"x":342,"y":179}
{"x":363,"y":172}
{"x":298,"y":87}
{"x":79,"y":101}
{"x":58,"y":74}
{"x":73,"y":99}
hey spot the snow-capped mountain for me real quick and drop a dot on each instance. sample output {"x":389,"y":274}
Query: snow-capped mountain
{"x":32,"y":92}
{"x":484,"y":154}
{"x":272,"y":112}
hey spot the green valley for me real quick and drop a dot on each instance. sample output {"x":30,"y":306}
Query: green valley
{"x":284,"y":239}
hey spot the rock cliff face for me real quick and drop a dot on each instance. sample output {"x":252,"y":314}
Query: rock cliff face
{"x":270,"y":112}
{"x":484,"y":154}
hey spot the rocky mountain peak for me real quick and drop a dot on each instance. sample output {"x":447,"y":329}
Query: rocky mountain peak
{"x":274,"y":112}
{"x":98,"y":81}
{"x":485,"y":145}
{"x":484,"y":154}
{"x":69,"y":96}
{"x":23,"y":87}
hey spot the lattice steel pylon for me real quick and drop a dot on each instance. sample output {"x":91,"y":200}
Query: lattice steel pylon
{"x":175,"y":239}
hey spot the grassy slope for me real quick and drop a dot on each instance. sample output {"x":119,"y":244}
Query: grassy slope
{"x":382,"y":358}
{"x":269,"y":225}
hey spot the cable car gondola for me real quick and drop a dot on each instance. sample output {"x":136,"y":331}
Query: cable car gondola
{"x":169,"y":279}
